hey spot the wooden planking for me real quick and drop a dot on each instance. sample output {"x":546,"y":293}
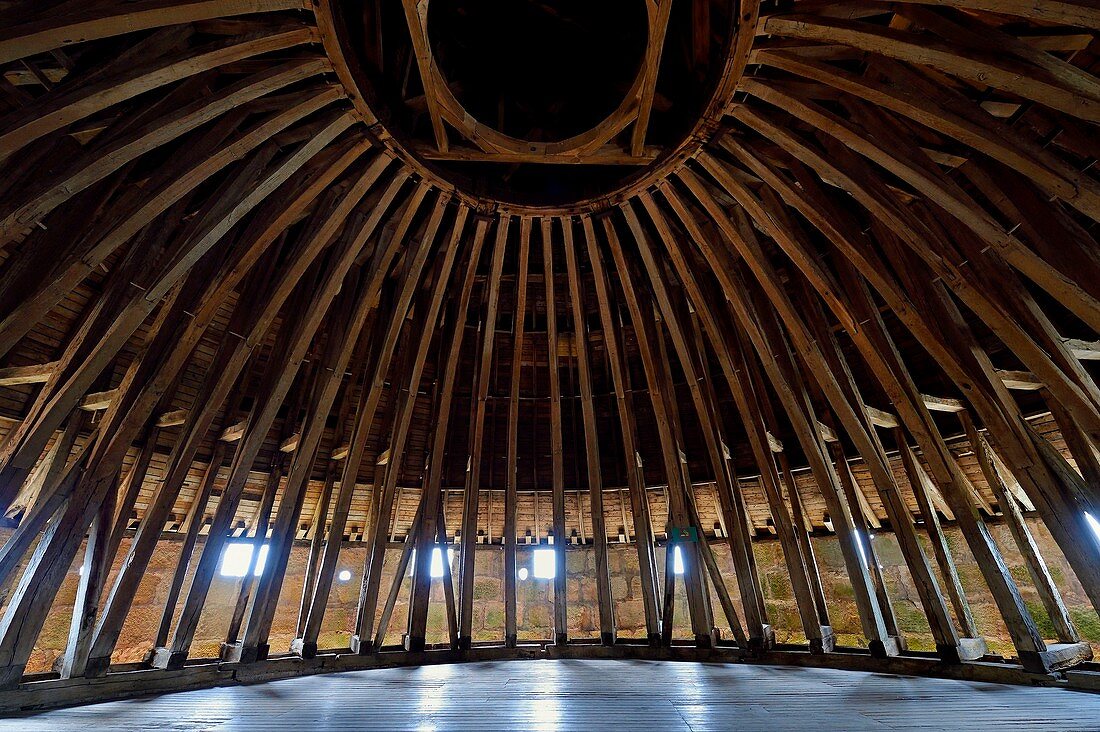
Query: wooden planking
{"x":581,"y":694}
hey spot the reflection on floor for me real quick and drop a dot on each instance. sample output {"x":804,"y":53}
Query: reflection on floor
{"x":580,"y":695}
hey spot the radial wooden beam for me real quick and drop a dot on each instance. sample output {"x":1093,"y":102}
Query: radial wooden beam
{"x":557,"y":477}
{"x":591,"y":438}
{"x":511,"y":497}
{"x":477,"y":435}
{"x":434,"y":519}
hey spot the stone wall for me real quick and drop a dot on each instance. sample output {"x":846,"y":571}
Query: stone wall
{"x":535,"y":597}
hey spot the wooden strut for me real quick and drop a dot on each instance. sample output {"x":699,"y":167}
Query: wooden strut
{"x":477,"y":434}
{"x":557,"y":478}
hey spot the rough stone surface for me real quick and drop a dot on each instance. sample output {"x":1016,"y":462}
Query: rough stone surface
{"x":535,"y":598}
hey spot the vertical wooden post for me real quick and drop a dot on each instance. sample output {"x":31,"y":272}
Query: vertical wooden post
{"x":1036,"y":567}
{"x":511,"y":498}
{"x":477,"y":435}
{"x":434,"y":519}
{"x":591,"y":439}
{"x":922,"y":489}
{"x":639,"y":501}
{"x":557,"y":478}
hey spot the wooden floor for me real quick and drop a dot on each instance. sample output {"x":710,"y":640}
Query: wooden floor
{"x":578,"y":695}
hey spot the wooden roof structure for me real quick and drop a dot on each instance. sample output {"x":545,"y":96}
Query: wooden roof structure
{"x":720,"y":270}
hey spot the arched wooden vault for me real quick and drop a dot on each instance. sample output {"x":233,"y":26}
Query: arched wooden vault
{"x":830,"y":267}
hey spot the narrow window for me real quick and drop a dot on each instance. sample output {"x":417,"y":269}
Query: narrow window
{"x":677,"y":560}
{"x":545,"y":564}
{"x":236,"y":557}
{"x":437,"y":561}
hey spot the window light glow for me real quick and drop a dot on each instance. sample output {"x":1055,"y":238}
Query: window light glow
{"x":522,"y":573}
{"x":236,"y":557}
{"x":677,"y":560}
{"x":344,"y":576}
{"x":545,"y":564}
{"x":437,"y":561}
{"x":1094,"y":524}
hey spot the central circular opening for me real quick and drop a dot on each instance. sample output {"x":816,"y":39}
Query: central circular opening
{"x":539,"y":71}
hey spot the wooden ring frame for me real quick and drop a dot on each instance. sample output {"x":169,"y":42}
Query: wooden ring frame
{"x":353,"y":78}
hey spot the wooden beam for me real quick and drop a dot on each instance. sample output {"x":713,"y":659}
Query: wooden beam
{"x":41,"y":35}
{"x":434,"y":520}
{"x":1020,"y":380}
{"x":591,"y":437}
{"x":880,"y":418}
{"x":33,"y":374}
{"x":511,"y":497}
{"x":477,"y":435}
{"x":639,"y":501}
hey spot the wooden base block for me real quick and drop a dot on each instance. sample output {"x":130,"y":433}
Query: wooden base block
{"x":302,"y":649}
{"x":891,"y":646}
{"x":361,"y":646}
{"x":967,"y":649}
{"x":561,"y":639}
{"x":415,"y":644}
{"x":826,"y":643}
{"x":1057,"y":657}
{"x":1089,"y":680}
{"x":165,"y":658}
{"x":97,"y":667}
{"x":230,"y":652}
{"x":239,"y":653}
{"x":971,"y":649}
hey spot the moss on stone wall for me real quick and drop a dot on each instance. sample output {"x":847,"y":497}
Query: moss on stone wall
{"x":535,"y":598}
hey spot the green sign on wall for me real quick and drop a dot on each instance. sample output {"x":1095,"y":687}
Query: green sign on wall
{"x":683,"y":533}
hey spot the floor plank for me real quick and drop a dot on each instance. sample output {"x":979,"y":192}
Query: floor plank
{"x":590,"y":694}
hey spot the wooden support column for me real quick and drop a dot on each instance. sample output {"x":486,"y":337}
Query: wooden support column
{"x":511,"y":498}
{"x":922,"y":489}
{"x":1036,"y":566}
{"x":692,"y":362}
{"x":477,"y":434}
{"x":260,"y":525}
{"x":867,"y":549}
{"x":678,"y":481}
{"x":192,"y":525}
{"x":803,"y":529}
{"x":682,"y":511}
{"x":591,"y":440}
{"x":639,"y":501}
{"x":316,"y":542}
{"x":795,"y":404}
{"x":433,"y":524}
{"x":557,"y":478}
{"x":400,"y":572}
